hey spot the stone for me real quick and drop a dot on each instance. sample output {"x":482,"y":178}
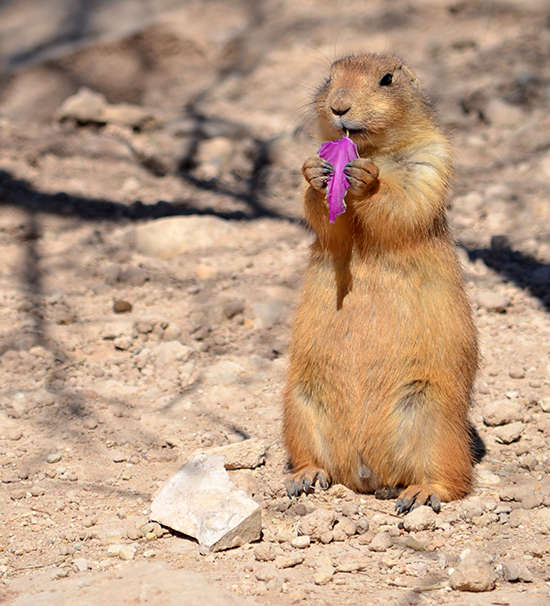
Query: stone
{"x":492,"y":301}
{"x":323,"y":575}
{"x":88,"y":106}
{"x":362,"y":525}
{"x":344,"y":529}
{"x":545,"y":404}
{"x":475,"y":572}
{"x":414,"y":544}
{"x":80,"y":565}
{"x":126,"y":552}
{"x":318,"y":525}
{"x":507,"y":434}
{"x":502,"y":412}
{"x":301,"y":542}
{"x":516,"y":571}
{"x":122,"y":307}
{"x":517,"y":372}
{"x":288,"y":561}
{"x":172,"y":332}
{"x":171,"y":236}
{"x":353,"y":564}
{"x":484,"y":477}
{"x":201,"y":501}
{"x":382,"y":542}
{"x":264,"y":552}
{"x":54,"y":457}
{"x":119,"y":328}
{"x":134,"y":276}
{"x":247,"y":454}
{"x":421,"y":518}
{"x":528,"y":498}
{"x":232,"y":308}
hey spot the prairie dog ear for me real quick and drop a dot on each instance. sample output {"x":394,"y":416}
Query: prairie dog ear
{"x":410,"y":76}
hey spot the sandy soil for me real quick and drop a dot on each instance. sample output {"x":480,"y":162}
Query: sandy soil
{"x":98,"y":408}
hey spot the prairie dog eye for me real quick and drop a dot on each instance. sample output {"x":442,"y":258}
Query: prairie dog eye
{"x":386,"y":80}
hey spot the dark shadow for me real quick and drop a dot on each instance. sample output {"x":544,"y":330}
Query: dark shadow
{"x":521,"y":269}
{"x":477,"y":445}
{"x":17,"y":193}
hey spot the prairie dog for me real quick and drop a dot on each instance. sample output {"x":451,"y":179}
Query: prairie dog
{"x":384,"y":352}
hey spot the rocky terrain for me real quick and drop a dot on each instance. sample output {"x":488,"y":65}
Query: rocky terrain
{"x":151,"y":252}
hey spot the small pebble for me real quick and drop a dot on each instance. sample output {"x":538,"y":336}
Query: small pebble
{"x":414,"y":544}
{"x":323,"y":575}
{"x":126,"y":552}
{"x":382,"y":542}
{"x":149,"y":553}
{"x":301,"y":542}
{"x":80,"y":565}
{"x":53,"y":457}
{"x":122,"y":307}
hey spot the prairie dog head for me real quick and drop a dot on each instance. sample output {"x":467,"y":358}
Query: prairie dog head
{"x":375,"y":99}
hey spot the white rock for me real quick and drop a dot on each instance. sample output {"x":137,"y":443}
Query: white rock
{"x":201,"y":501}
{"x":247,"y":454}
{"x":506,"y":434}
{"x":474,"y":573}
{"x":381,"y":542}
{"x":421,"y":518}
{"x":165,"y":238}
{"x":502,"y":412}
{"x":487,"y":478}
{"x":492,"y":301}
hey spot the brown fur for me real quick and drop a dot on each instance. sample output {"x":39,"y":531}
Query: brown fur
{"x":384,"y":351}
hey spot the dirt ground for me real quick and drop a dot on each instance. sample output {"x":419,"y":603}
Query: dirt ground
{"x":99,"y":408}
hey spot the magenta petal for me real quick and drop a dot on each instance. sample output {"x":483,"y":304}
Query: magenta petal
{"x":339,"y":153}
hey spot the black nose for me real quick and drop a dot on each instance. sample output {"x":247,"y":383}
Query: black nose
{"x":339,"y":111}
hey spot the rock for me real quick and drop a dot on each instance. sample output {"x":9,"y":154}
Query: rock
{"x":202,"y":502}
{"x":421,"y":518}
{"x":362,"y":525}
{"x":353,"y":564}
{"x":89,"y":106}
{"x":502,"y":412}
{"x":500,"y":113}
{"x":517,"y":372}
{"x":80,"y":565}
{"x":507,"y":434}
{"x":170,"y":353}
{"x":528,"y":498}
{"x":492,"y":301}
{"x":382,"y":542}
{"x":264,"y":552}
{"x":54,"y":457}
{"x":516,"y":571}
{"x":288,"y":561}
{"x":545,"y":404}
{"x":135,"y":276}
{"x":318,"y":525}
{"x":126,"y":552}
{"x":323,"y":575}
{"x":301,"y":542}
{"x":233,"y":308}
{"x":414,"y":544}
{"x":344,"y":529}
{"x":474,"y":573}
{"x":165,"y":238}
{"x":245,"y":479}
{"x":486,"y":478}
{"x":172,"y":332}
{"x":247,"y":454}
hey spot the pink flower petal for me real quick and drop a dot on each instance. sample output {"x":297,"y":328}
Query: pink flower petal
{"x":339,"y":153}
